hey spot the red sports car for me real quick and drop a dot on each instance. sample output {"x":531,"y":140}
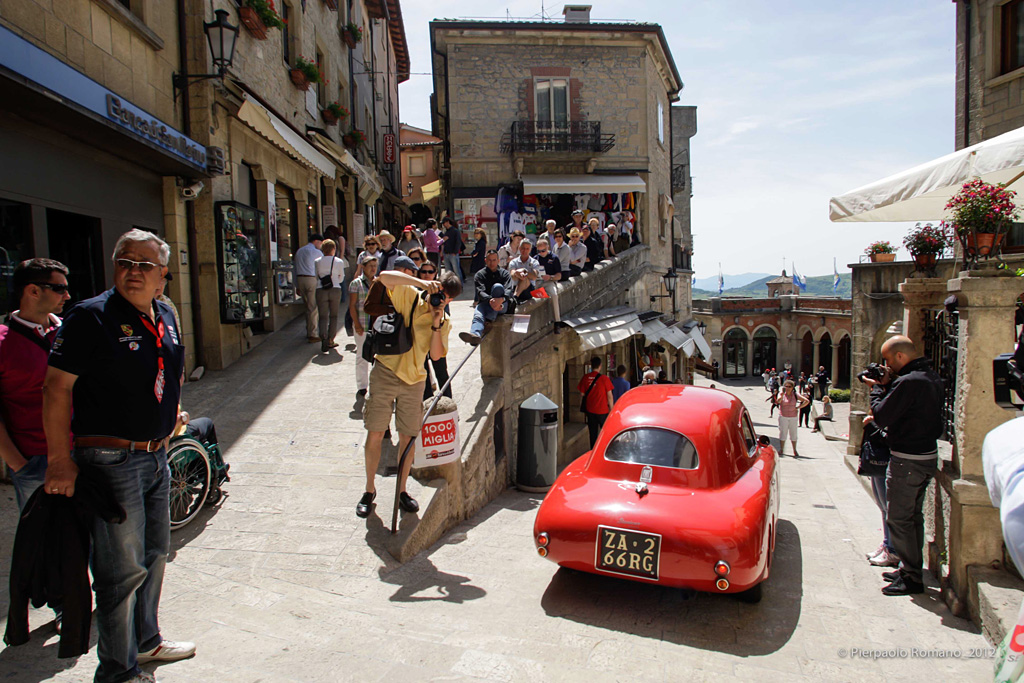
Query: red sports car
{"x":678,"y":490}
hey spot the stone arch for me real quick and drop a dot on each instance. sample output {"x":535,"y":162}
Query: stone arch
{"x":734,"y":351}
{"x":825,"y":351}
{"x":765,"y":348}
{"x":807,"y":352}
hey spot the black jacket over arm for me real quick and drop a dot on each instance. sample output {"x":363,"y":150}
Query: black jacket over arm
{"x":51,"y":559}
{"x":910,"y":408}
{"x":485,"y":279}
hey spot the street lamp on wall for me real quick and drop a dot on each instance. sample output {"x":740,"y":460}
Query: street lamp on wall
{"x":220,"y":38}
{"x":670,"y":280}
{"x":703,"y":327}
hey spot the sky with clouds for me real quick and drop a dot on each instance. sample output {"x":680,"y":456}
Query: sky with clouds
{"x":797,"y":101}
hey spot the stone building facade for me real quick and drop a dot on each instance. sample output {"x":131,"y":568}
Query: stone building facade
{"x":91,"y":141}
{"x":290,"y":169}
{"x":750,"y":335}
{"x":490,"y":85}
{"x":420,"y":154}
{"x":234,"y":172}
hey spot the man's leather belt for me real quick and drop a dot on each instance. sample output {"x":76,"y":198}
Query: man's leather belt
{"x":110,"y":442}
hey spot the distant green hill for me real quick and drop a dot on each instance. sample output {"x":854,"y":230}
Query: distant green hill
{"x":820,"y":285}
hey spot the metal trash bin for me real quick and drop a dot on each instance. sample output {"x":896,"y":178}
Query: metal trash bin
{"x":537,"y":457}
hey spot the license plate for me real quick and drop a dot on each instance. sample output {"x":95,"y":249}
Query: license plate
{"x":627,"y":552}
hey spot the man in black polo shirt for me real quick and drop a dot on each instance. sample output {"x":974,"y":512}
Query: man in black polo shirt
{"x":118,"y":363}
{"x":490,"y":300}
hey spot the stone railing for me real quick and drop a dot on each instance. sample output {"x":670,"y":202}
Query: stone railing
{"x":599,"y":288}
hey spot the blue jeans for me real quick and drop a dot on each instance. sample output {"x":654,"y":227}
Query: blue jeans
{"x":878,"y":489}
{"x":28,"y":479}
{"x":451,"y":262}
{"x":128,"y":559}
{"x":484,"y":312}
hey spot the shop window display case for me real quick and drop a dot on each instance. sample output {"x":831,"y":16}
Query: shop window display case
{"x":242,"y":290}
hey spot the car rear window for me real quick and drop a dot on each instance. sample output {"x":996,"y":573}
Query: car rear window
{"x":653,"y":446}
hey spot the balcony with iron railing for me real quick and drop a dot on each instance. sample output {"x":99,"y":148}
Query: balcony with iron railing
{"x":583,"y":137}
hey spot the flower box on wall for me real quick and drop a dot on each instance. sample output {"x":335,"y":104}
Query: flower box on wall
{"x":299,"y":79}
{"x":882,"y":258}
{"x":252,"y":22}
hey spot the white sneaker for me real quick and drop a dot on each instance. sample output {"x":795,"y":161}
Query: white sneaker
{"x":142,"y":677}
{"x":877,"y":551}
{"x":167,"y":651}
{"x":885,"y":559}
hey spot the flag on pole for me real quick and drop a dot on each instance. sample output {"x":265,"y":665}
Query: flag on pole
{"x":799,"y":280}
{"x":835,"y":277}
{"x":721,"y":280}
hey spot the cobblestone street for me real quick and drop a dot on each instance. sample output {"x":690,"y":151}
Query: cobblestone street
{"x":283,"y":583}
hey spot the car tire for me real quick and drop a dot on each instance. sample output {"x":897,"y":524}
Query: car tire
{"x":752,"y":595}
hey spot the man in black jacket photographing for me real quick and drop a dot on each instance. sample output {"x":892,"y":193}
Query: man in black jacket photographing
{"x":907,"y":402}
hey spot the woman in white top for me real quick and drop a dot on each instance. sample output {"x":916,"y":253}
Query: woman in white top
{"x":328,"y":298}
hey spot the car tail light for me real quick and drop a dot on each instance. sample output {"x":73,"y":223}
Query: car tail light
{"x":722,"y":584}
{"x":542,"y":539}
{"x":722,"y":568}
{"x":543,"y":552}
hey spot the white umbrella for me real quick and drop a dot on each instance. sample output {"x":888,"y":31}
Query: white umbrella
{"x":921,"y":193}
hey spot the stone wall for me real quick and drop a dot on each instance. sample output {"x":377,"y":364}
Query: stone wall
{"x":995,"y":104}
{"x":134,"y":55}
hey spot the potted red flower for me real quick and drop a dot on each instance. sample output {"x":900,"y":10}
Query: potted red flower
{"x":259,"y":15}
{"x":305,"y":72}
{"x":354,"y":138}
{"x":352,"y":34}
{"x":926,"y":242}
{"x":981,"y":214}
{"x":333,"y":113}
{"x":881,"y":252}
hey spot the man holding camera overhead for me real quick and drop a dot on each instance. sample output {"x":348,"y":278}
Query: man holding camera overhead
{"x":907,"y":403}
{"x":397,"y":379}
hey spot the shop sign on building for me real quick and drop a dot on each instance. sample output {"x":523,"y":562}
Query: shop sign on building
{"x":389,"y":148}
{"x":127,"y":115}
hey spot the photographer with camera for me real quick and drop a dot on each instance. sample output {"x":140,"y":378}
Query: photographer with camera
{"x":397,"y":379}
{"x":906,"y":401}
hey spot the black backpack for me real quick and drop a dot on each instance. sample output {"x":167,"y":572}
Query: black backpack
{"x":388,"y":335}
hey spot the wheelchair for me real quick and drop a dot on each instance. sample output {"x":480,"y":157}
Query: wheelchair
{"x":197,"y":472}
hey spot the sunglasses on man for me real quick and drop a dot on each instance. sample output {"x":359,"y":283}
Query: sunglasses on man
{"x":143,"y":266}
{"x":59,"y":289}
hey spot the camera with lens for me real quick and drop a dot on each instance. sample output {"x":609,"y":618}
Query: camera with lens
{"x":875,"y":371}
{"x":436,"y":299}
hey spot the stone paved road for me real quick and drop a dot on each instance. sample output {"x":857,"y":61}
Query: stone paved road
{"x":284,"y":583}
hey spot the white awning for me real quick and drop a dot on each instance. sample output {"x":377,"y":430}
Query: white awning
{"x":606,"y":326}
{"x":702,"y":344}
{"x":370,"y":186}
{"x":657,"y":331}
{"x":572,"y":184}
{"x":431,"y":190}
{"x":261,"y":120}
{"x":921,"y":193}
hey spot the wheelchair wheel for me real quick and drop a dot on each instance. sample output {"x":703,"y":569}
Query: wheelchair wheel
{"x":190,"y":480}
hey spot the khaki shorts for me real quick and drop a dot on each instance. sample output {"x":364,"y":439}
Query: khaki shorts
{"x":386,"y":391}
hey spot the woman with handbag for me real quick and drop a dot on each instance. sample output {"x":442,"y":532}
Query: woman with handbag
{"x":330,"y":275}
{"x":874,"y":463}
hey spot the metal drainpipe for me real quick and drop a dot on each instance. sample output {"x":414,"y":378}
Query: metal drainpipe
{"x":190,"y":212}
{"x":967,"y":75}
{"x":672,"y":221}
